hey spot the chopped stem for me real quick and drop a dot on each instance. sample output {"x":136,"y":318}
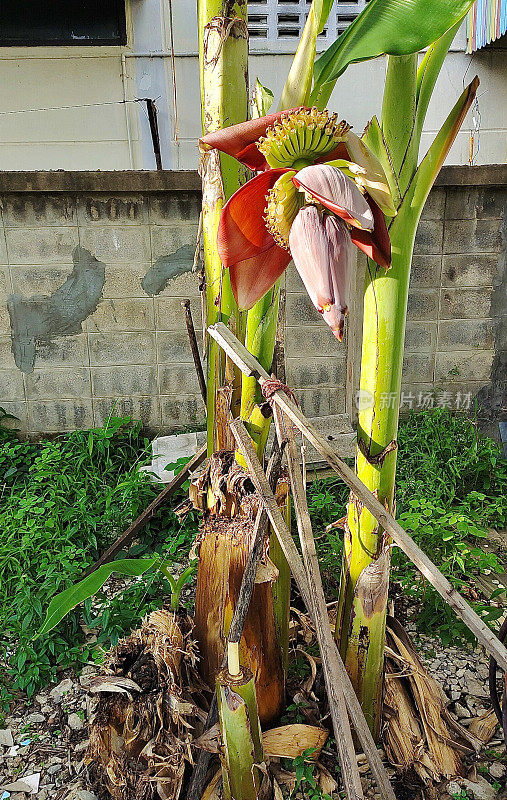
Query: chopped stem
{"x":233,"y":658}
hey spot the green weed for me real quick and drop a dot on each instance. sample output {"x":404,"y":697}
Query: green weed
{"x":61,"y":503}
{"x":450,"y":489}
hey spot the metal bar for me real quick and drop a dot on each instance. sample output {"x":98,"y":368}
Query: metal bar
{"x":149,"y":512}
{"x":195,"y":349}
{"x":151,"y":109}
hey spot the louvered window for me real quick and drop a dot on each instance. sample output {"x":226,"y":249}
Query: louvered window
{"x":282,"y":21}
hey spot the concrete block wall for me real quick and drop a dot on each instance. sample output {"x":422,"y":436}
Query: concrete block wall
{"x":453,"y":322}
{"x":93,"y":268}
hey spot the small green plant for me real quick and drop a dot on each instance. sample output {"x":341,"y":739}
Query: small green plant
{"x":294,"y":713}
{"x":462,"y":795}
{"x":306,"y":783}
{"x":496,"y":755}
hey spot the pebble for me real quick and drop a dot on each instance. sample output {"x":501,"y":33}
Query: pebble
{"x":497,"y":770}
{"x":453,"y":788}
{"x":35,"y":718}
{"x":82,"y":794}
{"x":86,"y":674}
{"x":481,"y":789}
{"x":476,"y":689}
{"x":54,"y":768}
{"x":6,"y":739}
{"x":461,"y":711}
{"x":75,"y":722}
{"x":58,"y":692}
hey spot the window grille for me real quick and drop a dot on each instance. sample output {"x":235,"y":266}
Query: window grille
{"x":283,"y":20}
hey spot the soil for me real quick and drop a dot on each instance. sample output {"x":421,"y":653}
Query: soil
{"x":49,"y":735}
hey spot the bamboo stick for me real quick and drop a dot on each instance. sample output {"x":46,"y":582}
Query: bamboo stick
{"x":324,"y":635}
{"x":149,"y":512}
{"x":250,"y":366}
{"x":333,"y":663}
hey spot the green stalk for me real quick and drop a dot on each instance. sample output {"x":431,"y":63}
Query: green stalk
{"x":365,"y":570}
{"x":223,"y":59}
{"x":260,"y":341}
{"x":241,"y":735}
{"x":261,"y":324}
{"x":360,"y":626}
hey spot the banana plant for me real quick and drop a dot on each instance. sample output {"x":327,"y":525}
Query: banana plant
{"x":400,"y":30}
{"x":223,"y":50}
{"x":319,"y":189}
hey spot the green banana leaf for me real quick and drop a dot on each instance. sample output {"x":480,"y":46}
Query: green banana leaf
{"x":263,"y":99}
{"x":427,"y":171}
{"x":392,"y":27}
{"x":71,"y":597}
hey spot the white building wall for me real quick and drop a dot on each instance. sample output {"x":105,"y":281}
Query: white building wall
{"x":106,"y":133}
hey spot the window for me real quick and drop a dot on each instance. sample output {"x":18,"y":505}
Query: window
{"x":62,"y":22}
{"x":283,"y":20}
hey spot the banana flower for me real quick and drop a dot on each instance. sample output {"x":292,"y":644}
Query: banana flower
{"x":317,"y":190}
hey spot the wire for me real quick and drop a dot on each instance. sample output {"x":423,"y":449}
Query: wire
{"x":64,"y":108}
{"x":475,"y":133}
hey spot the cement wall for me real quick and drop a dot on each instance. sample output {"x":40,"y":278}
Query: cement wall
{"x":93,"y":267}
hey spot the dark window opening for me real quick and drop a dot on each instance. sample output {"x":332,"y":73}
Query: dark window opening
{"x":62,"y":22}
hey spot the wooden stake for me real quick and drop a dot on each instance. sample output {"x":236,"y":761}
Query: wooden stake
{"x":324,"y":634}
{"x":249,"y":366}
{"x":143,"y":519}
{"x":332,"y":662}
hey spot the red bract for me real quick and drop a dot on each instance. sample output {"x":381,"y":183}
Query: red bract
{"x":330,"y":187}
{"x":257,"y":256}
{"x":240,"y":140}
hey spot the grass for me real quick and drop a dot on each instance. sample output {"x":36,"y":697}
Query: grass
{"x":63,"y":501}
{"x":450,"y":489}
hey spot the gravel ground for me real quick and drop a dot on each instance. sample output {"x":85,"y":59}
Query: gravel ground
{"x":43,"y":741}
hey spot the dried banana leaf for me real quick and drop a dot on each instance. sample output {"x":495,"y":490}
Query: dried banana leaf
{"x":484,"y":727}
{"x":290,"y":741}
{"x":145,"y":711}
{"x":420,"y":733}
